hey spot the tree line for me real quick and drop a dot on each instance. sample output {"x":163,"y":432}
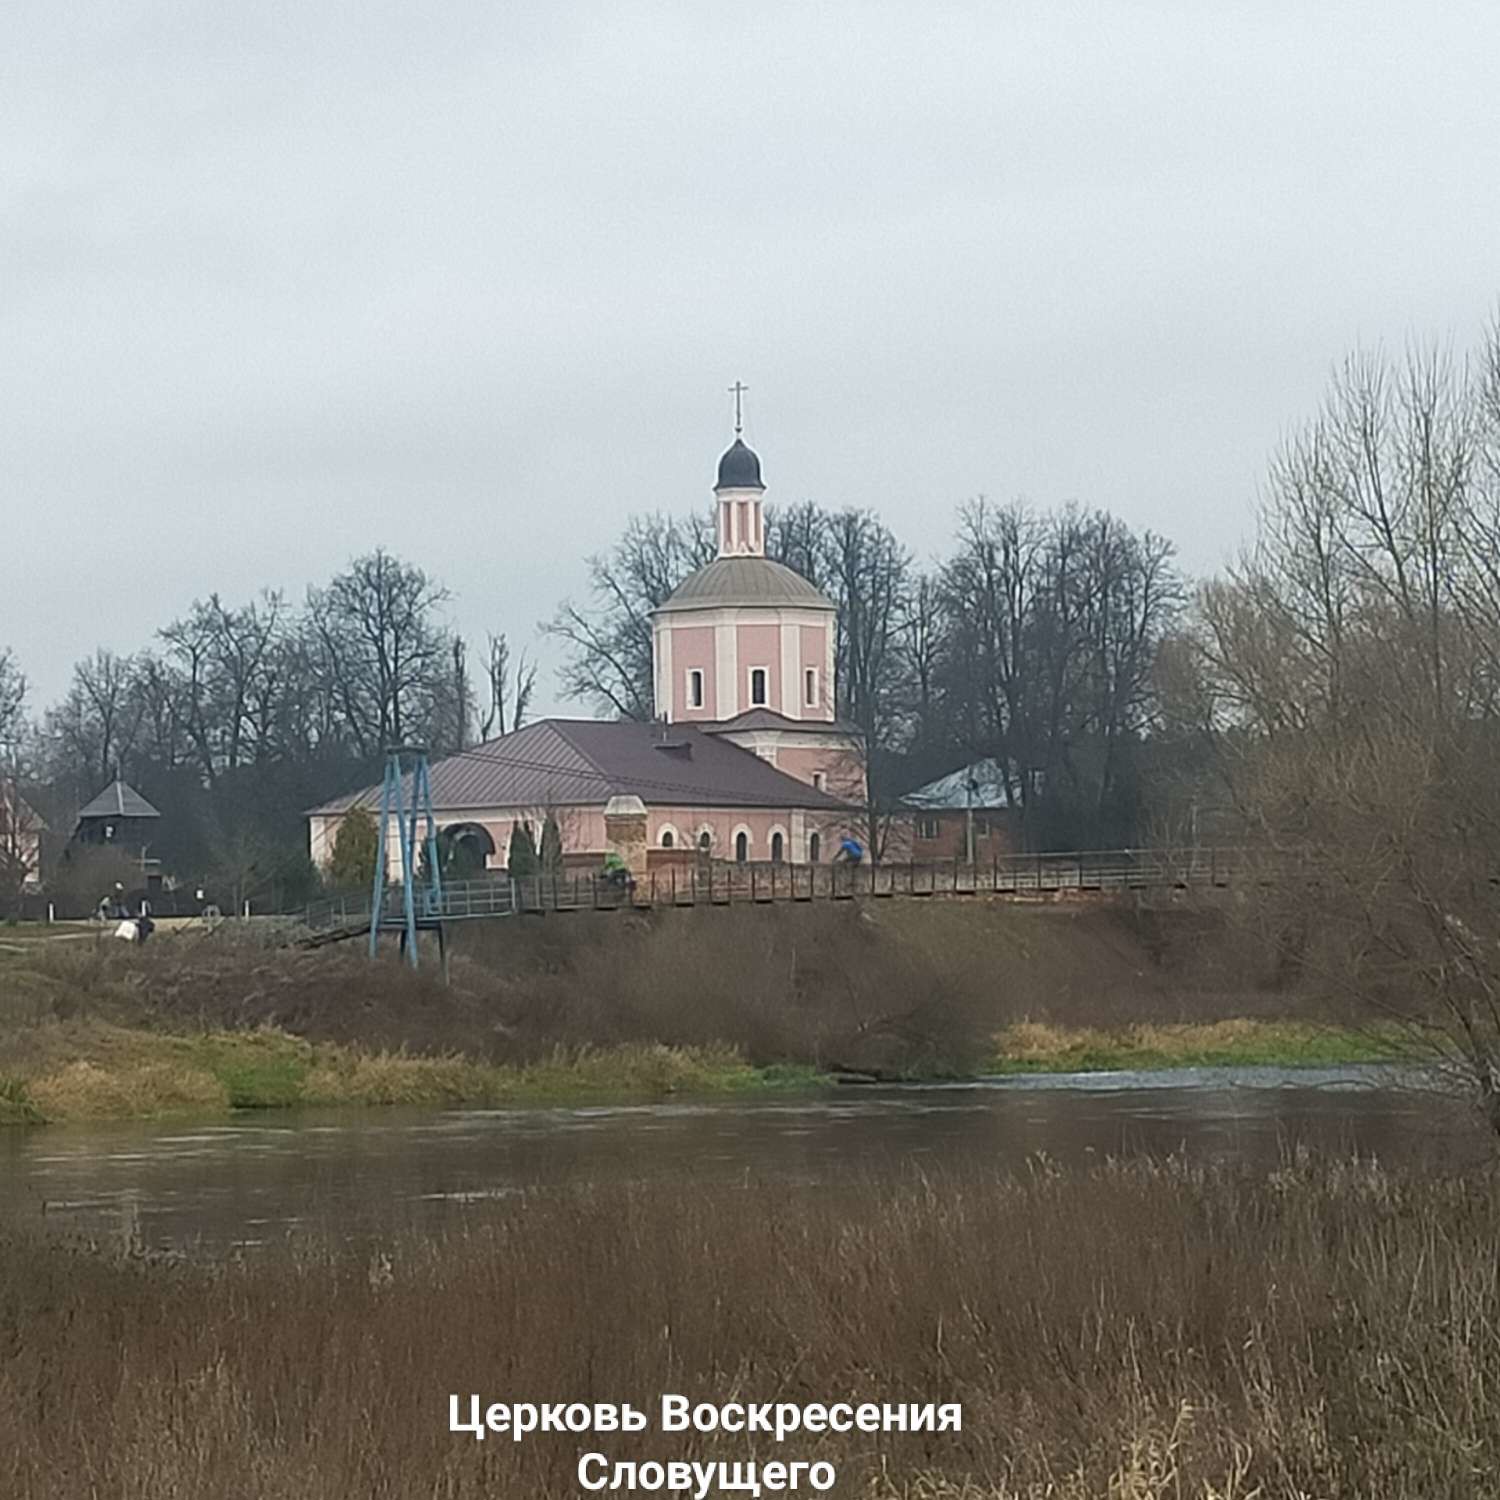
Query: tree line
{"x":1330,"y":701}
{"x":238,"y":717}
{"x":1345,"y":672}
{"x":1035,"y":642}
{"x":1341,"y":675}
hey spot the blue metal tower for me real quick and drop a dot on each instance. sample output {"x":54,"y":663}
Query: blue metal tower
{"x":407,"y":795}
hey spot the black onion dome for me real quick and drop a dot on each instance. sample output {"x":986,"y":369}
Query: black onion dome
{"x":739,"y":469}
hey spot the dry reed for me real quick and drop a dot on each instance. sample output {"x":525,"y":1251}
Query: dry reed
{"x":1147,"y":1331}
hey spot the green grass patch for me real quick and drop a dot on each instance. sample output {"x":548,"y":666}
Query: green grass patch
{"x":1032,"y":1047}
{"x":259,"y":1069}
{"x":118,"y":1073}
{"x":16,"y":1105}
{"x":347,"y":1076}
{"x":788,"y":1076}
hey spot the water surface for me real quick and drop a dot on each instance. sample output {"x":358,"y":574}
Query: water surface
{"x":359,"y":1174}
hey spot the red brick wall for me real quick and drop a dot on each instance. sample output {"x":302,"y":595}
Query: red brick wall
{"x":940,"y":836}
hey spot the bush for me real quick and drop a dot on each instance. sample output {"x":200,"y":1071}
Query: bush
{"x":521,"y":859}
{"x":552,"y":848}
{"x":356,"y":846}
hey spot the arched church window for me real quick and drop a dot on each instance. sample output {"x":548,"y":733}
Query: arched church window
{"x":758,"y":693}
{"x":776,"y":847}
{"x":695,"y":688}
{"x":815,"y":848}
{"x":666,"y":838}
{"x":741,"y":846}
{"x":705,"y":841}
{"x":810,"y":687}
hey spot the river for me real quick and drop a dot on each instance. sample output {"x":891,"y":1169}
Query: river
{"x":260,"y":1178}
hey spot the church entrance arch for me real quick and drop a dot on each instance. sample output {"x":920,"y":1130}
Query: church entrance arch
{"x":464,"y":850}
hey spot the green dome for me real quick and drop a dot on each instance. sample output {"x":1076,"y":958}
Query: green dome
{"x":744,"y":580}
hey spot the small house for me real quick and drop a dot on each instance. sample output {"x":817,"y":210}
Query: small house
{"x":120,"y":818}
{"x":965,"y":815}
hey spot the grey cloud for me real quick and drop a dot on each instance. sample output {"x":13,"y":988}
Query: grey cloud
{"x":282,"y":281}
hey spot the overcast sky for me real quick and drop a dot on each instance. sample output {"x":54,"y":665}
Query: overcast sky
{"x":281,"y":282}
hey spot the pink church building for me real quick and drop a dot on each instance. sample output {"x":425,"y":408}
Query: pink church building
{"x":744,"y":648}
{"x":746,"y":759}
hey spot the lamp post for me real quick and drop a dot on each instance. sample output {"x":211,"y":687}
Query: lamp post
{"x":971,"y":785}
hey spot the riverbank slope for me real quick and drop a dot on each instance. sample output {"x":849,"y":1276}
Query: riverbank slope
{"x":640,"y":1005}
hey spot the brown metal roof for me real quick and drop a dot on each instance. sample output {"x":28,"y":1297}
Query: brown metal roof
{"x":562,"y":762}
{"x":768,"y":718}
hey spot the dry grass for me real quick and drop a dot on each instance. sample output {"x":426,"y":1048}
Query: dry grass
{"x":84,"y":1071}
{"x":84,"y":1091}
{"x":1037,"y":1046}
{"x":1148,"y":1331}
{"x":346,"y":1076}
{"x":626,"y":1004}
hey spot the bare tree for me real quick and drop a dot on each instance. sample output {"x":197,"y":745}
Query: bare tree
{"x":1351,"y":658}
{"x":923,"y":624}
{"x":868,"y":571}
{"x":508,"y":704}
{"x":454,"y":712}
{"x":160,"y":693}
{"x":797,"y":536}
{"x":247,"y":714}
{"x":229,"y":672}
{"x":990,"y":596}
{"x":19,"y":826}
{"x":1130,"y":597}
{"x":13,"y":689}
{"x":609,"y":647}
{"x":94,"y":729}
{"x":1046,"y":662}
{"x":383,"y":648}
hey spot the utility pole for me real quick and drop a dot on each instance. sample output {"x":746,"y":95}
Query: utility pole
{"x":970,"y":787}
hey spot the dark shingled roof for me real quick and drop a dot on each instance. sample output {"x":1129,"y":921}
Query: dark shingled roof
{"x":561,"y":762}
{"x":118,"y":800}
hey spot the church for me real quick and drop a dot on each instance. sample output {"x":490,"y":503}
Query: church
{"x":746,"y":759}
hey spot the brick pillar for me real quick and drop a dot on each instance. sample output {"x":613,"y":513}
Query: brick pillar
{"x":625,"y":828}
